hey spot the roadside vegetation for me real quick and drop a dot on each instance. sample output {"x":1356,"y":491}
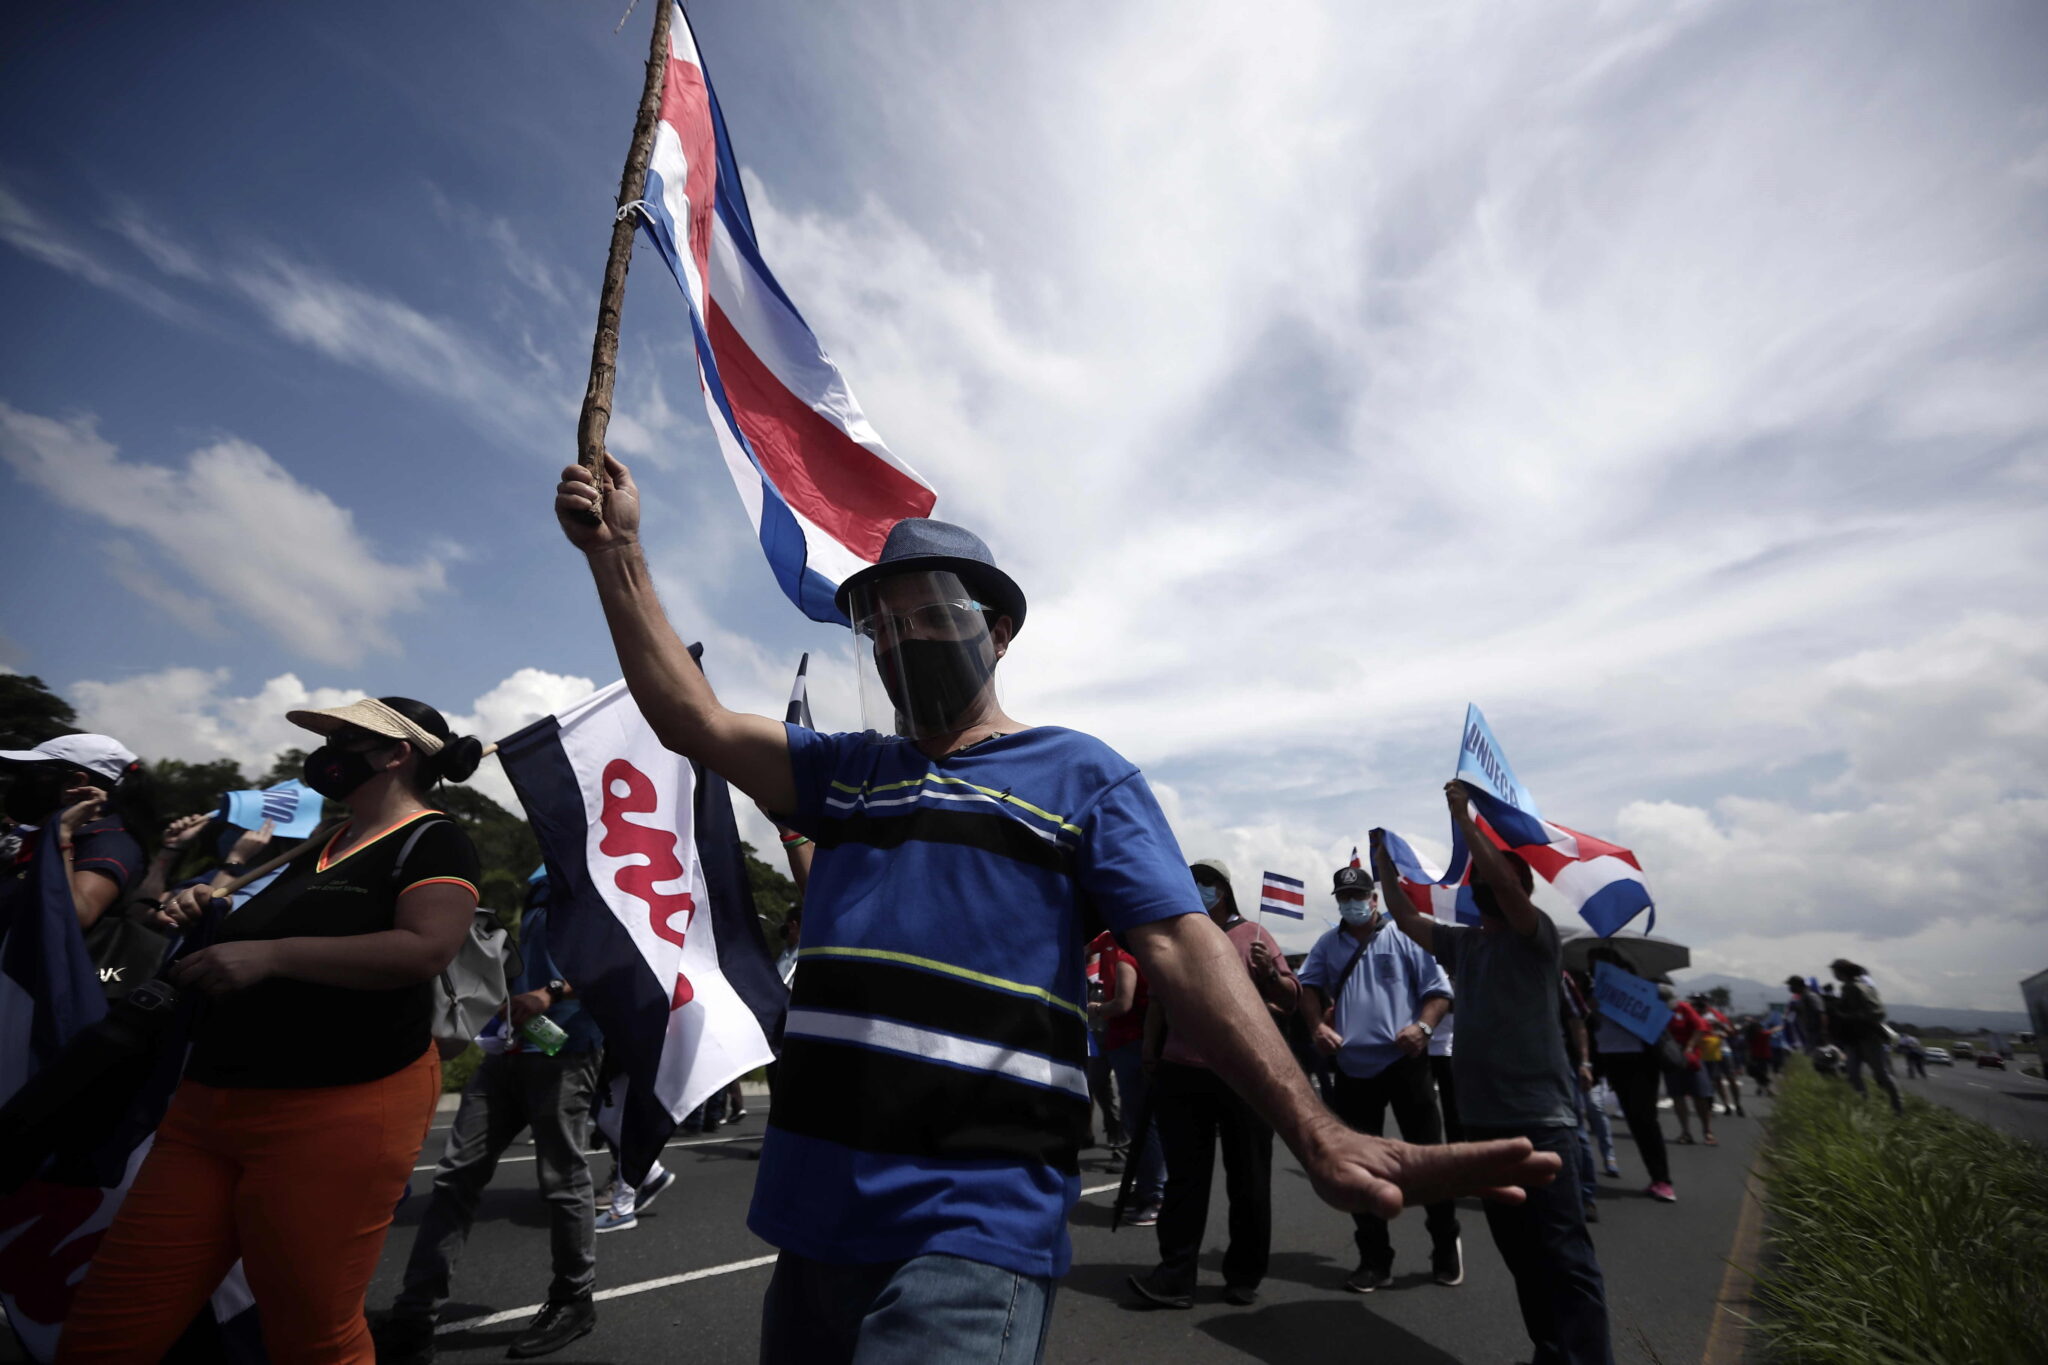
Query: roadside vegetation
{"x":1919,"y":1239}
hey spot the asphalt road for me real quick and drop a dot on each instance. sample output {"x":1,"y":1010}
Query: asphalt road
{"x":687,"y":1281}
{"x":2003,"y":1099}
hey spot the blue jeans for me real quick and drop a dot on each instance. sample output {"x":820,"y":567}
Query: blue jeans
{"x":928,"y":1310}
{"x":1582,"y":1162}
{"x":1593,"y":1128}
{"x":1148,"y":1187}
{"x":1549,"y":1252}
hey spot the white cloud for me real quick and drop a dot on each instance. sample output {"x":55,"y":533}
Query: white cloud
{"x":239,"y":525}
{"x":191,"y":714}
{"x":1632,"y":371}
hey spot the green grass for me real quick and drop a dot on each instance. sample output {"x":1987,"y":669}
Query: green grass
{"x":1919,"y":1239}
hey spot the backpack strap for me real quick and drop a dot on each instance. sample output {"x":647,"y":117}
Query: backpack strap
{"x":412,"y":839}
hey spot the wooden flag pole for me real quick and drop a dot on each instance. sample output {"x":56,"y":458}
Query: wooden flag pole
{"x":604,"y":347}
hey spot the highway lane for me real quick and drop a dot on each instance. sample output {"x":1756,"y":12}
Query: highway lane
{"x":2004,"y":1099}
{"x":692,"y":1275}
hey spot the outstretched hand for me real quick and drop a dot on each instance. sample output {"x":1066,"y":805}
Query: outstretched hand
{"x":1362,"y":1174}
{"x":579,"y":495}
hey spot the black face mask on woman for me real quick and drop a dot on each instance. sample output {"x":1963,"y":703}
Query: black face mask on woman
{"x":334,"y":773}
{"x":33,"y":795}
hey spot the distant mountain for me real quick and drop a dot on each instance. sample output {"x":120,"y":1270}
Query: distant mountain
{"x":1747,"y":996}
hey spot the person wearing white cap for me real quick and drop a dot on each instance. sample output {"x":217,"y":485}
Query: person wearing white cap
{"x":97,"y":792}
{"x":313,"y":1073}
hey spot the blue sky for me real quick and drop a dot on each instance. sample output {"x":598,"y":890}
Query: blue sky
{"x":1664,"y":378}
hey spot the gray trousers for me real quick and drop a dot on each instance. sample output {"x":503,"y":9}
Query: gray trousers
{"x":507,"y":1095}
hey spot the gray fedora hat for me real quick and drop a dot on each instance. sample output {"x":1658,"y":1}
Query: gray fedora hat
{"x":920,"y":543}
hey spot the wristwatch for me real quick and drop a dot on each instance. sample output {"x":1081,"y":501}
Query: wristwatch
{"x":1428,"y":1030}
{"x":557,"y":990}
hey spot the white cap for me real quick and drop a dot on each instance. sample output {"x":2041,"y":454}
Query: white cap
{"x":95,"y":753}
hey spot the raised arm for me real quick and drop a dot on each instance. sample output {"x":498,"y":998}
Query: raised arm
{"x":1407,"y":918}
{"x":751,"y":752}
{"x":1491,"y":867}
{"x":1199,"y":978}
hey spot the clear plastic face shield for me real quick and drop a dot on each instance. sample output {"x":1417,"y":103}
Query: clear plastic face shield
{"x":926,"y":650}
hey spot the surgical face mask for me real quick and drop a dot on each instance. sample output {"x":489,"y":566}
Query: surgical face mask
{"x":334,"y":773}
{"x":1210,"y":894}
{"x":1355,"y":910}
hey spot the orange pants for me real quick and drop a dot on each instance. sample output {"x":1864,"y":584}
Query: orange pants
{"x":299,"y":1185}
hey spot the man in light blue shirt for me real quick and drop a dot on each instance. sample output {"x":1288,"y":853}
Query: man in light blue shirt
{"x":1374,"y":998}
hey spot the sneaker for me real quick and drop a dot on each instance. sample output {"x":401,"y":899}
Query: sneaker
{"x":1365,"y":1279}
{"x":1147,"y":1288}
{"x":1449,"y":1269}
{"x":621,"y":1214}
{"x":1243,"y":1295}
{"x":404,"y":1341}
{"x":1661,"y":1191}
{"x":736,"y":1115}
{"x":1144,"y":1216}
{"x":559,"y":1322}
{"x":1592,"y":1212}
{"x":660,"y":1180}
{"x":1613,"y":1168}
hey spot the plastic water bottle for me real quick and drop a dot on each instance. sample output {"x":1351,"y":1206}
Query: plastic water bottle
{"x":544,"y":1033}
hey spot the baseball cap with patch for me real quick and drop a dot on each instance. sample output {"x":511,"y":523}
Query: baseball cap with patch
{"x":1353,"y":879}
{"x":99,"y":754}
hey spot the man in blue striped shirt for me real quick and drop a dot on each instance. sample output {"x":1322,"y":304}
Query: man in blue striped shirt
{"x":922,"y":1153}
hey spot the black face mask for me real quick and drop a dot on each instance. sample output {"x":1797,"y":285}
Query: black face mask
{"x":933,"y":682}
{"x":33,"y":795}
{"x":334,"y":773}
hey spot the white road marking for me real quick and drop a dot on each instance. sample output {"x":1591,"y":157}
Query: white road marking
{"x":1979,"y":1084}
{"x":665,"y":1282}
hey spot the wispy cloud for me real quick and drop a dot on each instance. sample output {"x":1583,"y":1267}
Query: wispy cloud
{"x":510,"y":396}
{"x":240,"y":526}
{"x":35,"y":236}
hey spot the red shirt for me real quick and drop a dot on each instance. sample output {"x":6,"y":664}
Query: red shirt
{"x":1686,"y":1027}
{"x":1128,"y":1027}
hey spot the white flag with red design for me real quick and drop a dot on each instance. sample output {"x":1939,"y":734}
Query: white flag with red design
{"x":650,"y":917}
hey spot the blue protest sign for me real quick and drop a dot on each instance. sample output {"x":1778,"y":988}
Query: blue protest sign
{"x":1482,"y":763}
{"x":292,"y":807}
{"x":1630,"y":1001}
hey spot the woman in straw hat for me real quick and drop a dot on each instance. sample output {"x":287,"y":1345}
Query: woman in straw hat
{"x":313,"y":1074}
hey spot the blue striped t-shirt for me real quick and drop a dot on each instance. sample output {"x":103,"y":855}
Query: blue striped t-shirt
{"x":932,"y":1094}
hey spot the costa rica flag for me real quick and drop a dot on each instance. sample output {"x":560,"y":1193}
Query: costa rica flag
{"x":1440,"y":895}
{"x":818,"y":483}
{"x":1280,"y":895}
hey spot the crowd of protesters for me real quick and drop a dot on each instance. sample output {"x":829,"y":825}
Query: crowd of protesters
{"x":917,"y":1191}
